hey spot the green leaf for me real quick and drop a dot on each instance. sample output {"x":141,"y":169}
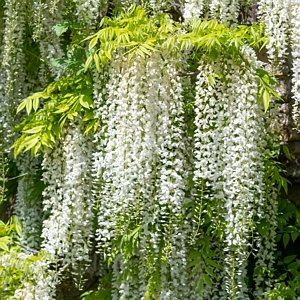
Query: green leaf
{"x":194,"y":263}
{"x":108,"y":54}
{"x":88,"y":115}
{"x":85,"y":101}
{"x":201,"y":284}
{"x":281,"y":277}
{"x":36,"y":103}
{"x":278,"y":237}
{"x":18,"y":225}
{"x":294,"y":235}
{"x":28,"y":106}
{"x":266,"y":99}
{"x":88,"y":62}
{"x":286,"y":239}
{"x":93,"y":124}
{"x":62,"y":109}
{"x":147,"y":295}
{"x":93,"y":42}
{"x":212,"y":263}
{"x":194,"y":254}
{"x":70,"y":116}
{"x":4,"y":242}
{"x":207,"y":279}
{"x":289,"y":259}
{"x":31,"y":143}
{"x":293,"y":266}
{"x":35,"y":148}
{"x":61,"y":28}
{"x":286,"y":152}
{"x":210,"y":271}
{"x":34,"y":129}
{"x":211,"y":80}
{"x":97,"y":61}
{"x":263,"y":227}
{"x":22,"y":105}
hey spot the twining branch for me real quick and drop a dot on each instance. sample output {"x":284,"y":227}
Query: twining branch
{"x":33,"y":251}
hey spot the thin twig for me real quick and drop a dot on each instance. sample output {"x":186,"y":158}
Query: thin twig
{"x":35,"y":252}
{"x":180,"y":73}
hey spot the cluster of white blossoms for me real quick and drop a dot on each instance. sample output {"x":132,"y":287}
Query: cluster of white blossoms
{"x":14,"y":86}
{"x":130,"y":188}
{"x":88,"y":12}
{"x":229,"y":139}
{"x":295,"y":47}
{"x":193,"y":9}
{"x":28,"y":206}
{"x":223,"y":10}
{"x":48,"y":41}
{"x":12,"y":73}
{"x":281,"y":20}
{"x":68,"y":201}
{"x":159,"y":5}
{"x":143,"y":171}
{"x":275,"y":16}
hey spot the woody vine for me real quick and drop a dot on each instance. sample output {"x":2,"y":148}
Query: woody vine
{"x":140,"y":151}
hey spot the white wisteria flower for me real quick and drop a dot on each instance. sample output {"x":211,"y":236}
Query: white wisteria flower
{"x":68,"y":200}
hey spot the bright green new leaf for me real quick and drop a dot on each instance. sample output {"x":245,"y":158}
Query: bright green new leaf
{"x":36,"y":103}
{"x":266,"y":99}
{"x":31,"y":141}
{"x":61,"y":28}
{"x":22,"y":105}
{"x":97,"y":61}
{"x":147,"y":295}
{"x":4,"y":242}
{"x":211,"y":80}
{"x":28,"y":106}
{"x":93,"y":42}
{"x":88,"y":62}
{"x":35,"y":129}
{"x":85,"y":101}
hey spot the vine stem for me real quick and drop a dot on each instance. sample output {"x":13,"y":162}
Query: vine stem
{"x":35,"y":252}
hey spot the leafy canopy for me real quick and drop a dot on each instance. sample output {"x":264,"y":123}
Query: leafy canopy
{"x":131,"y":33}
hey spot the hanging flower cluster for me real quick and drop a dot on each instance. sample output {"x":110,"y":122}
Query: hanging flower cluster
{"x":89,"y":12}
{"x":281,"y":19}
{"x":221,"y":10}
{"x":229,"y":173}
{"x":49,"y":43}
{"x":225,"y":11}
{"x":295,"y":42}
{"x":12,"y":73}
{"x":143,"y":179}
{"x":276,"y":17}
{"x":171,"y":201}
{"x":193,"y":9}
{"x":68,"y":201}
{"x":28,"y":207}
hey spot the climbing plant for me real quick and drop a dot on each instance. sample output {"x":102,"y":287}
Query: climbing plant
{"x":141,"y":152}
